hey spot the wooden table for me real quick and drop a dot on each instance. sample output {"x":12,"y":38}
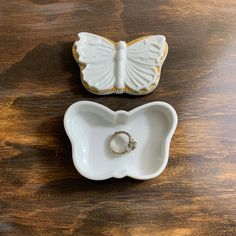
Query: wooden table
{"x":41,"y":192}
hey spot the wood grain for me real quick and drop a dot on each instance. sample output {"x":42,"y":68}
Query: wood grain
{"x":41,"y":192}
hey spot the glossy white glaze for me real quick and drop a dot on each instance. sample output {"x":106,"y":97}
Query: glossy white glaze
{"x":109,"y":66}
{"x":90,"y":126}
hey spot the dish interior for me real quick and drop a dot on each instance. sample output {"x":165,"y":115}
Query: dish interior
{"x":91,"y":129}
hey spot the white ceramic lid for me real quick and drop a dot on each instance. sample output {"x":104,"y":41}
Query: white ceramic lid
{"x":109,"y":67}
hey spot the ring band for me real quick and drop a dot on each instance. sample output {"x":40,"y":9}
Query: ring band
{"x":131,"y":144}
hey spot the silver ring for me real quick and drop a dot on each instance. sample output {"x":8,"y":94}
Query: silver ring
{"x":131,"y":144}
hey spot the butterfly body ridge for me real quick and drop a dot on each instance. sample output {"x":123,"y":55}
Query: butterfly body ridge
{"x":121,"y":57}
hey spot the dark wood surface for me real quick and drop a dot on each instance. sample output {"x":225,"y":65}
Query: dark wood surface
{"x":41,"y":192}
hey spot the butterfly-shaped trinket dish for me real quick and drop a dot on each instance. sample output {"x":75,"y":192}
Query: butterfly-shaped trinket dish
{"x":93,"y":129}
{"x":108,"y":67}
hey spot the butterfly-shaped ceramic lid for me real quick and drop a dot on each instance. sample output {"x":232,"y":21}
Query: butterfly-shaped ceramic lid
{"x":108,"y":67}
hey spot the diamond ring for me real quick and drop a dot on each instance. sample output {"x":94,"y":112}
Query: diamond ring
{"x":119,"y":144}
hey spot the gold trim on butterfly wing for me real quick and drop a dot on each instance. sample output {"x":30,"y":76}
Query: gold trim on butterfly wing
{"x":82,"y":67}
{"x":153,"y":86}
{"x":115,"y":90}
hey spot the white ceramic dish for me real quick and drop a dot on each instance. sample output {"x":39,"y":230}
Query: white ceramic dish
{"x":89,"y":126}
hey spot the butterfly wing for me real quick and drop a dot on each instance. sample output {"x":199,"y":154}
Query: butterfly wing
{"x":144,"y":61}
{"x":96,"y":54}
